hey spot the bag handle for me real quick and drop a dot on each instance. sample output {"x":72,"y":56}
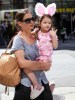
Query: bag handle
{"x":9,"y":44}
{"x":7,"y":90}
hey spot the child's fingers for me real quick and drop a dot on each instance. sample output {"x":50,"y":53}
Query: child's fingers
{"x":56,"y":30}
{"x":53,"y":30}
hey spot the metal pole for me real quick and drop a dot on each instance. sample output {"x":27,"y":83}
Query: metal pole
{"x":71,"y":24}
{"x":30,"y":5}
{"x":71,"y":27}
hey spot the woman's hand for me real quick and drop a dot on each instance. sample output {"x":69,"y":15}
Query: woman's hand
{"x":45,"y":65}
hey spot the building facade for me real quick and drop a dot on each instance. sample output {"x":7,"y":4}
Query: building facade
{"x":65,"y":13}
{"x":20,"y":4}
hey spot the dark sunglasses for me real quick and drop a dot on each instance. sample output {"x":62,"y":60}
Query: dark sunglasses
{"x":28,"y":20}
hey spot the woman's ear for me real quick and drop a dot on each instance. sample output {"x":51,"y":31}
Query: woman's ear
{"x":19,"y":23}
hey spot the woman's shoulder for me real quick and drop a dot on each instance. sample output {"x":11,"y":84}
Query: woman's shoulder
{"x":17,"y":37}
{"x":17,"y":40}
{"x":17,"y":44}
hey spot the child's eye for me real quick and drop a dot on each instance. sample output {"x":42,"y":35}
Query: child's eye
{"x":50,"y":23}
{"x":44,"y":22}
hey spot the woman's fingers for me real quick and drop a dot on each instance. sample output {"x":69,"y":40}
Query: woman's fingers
{"x":47,"y":66}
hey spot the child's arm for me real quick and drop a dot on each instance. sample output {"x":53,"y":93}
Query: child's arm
{"x":54,"y":38}
{"x":35,"y":32}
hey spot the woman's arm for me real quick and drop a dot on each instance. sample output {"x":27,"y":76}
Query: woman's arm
{"x":31,"y":65}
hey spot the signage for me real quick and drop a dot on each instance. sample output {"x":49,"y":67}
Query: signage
{"x":68,"y":10}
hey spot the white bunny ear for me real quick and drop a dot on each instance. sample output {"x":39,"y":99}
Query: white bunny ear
{"x":51,"y":9}
{"x":40,"y":9}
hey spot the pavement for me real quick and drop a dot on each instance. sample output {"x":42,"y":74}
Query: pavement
{"x":64,"y":93}
{"x":62,"y":72}
{"x":60,"y":93}
{"x":67,"y":92}
{"x":64,"y":76}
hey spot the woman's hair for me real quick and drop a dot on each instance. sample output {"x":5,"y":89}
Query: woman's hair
{"x":19,"y":15}
{"x":47,"y":16}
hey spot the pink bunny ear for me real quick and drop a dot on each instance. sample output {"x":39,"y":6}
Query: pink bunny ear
{"x":40,"y":9}
{"x":51,"y":9}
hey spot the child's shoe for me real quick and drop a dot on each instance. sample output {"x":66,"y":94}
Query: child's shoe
{"x":35,"y":92}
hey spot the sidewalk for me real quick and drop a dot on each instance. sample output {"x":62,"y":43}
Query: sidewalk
{"x":60,"y":93}
{"x":64,"y":93}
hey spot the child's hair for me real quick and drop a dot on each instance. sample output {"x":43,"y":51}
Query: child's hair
{"x":47,"y":16}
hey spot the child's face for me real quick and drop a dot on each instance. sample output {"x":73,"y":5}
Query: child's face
{"x":46,"y":24}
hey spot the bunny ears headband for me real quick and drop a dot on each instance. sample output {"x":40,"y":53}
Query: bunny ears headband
{"x":40,"y":9}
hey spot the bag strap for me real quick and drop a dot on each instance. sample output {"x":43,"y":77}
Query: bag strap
{"x":9,"y":44}
{"x":7,"y":90}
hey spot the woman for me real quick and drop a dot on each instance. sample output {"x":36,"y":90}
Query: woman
{"x":26,"y":51}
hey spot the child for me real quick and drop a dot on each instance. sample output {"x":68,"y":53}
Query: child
{"x":47,"y":40}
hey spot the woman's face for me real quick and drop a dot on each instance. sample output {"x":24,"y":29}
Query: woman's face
{"x":28,"y":22}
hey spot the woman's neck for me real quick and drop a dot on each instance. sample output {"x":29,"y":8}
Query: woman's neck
{"x":27,"y":37}
{"x":25,"y":33}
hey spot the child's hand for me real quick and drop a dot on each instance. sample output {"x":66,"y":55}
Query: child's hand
{"x":53,"y":32}
{"x":35,"y":31}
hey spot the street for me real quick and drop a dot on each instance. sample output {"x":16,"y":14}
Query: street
{"x":63,"y":68}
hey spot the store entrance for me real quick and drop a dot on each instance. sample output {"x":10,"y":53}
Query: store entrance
{"x":66,"y":20}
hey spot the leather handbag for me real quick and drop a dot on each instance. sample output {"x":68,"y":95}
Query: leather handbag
{"x":9,"y":70}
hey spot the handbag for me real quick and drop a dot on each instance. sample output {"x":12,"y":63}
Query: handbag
{"x":9,"y":69}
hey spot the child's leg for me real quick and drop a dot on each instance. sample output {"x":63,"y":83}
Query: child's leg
{"x":33,"y":79}
{"x":37,"y":89}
